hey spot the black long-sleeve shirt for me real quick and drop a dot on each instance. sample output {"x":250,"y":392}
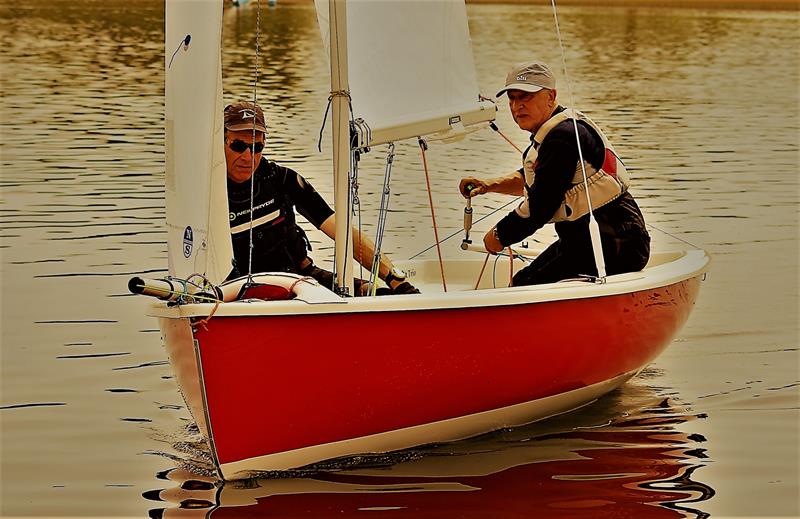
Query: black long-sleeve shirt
{"x":553,"y":173}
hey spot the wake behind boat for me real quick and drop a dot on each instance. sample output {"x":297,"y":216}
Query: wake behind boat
{"x":391,"y":372}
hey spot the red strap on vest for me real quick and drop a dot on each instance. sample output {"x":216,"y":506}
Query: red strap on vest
{"x":610,"y":163}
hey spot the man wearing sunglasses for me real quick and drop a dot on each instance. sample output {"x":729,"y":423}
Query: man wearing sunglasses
{"x":279,"y":244}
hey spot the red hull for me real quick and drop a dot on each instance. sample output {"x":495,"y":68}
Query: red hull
{"x":279,"y":383}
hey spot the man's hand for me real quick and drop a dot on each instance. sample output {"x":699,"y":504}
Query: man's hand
{"x":472,"y":186}
{"x":491,"y":242}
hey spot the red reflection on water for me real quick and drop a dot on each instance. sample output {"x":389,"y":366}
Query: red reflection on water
{"x":639,"y":467}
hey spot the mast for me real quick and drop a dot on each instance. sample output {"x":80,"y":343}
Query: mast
{"x":340,"y":93}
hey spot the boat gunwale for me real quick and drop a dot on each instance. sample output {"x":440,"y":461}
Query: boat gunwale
{"x":690,"y":264}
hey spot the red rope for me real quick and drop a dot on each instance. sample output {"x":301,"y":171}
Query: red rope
{"x":422,"y":147}
{"x":204,"y":322}
{"x":495,"y":128}
{"x":304,"y":278}
{"x":486,"y":260}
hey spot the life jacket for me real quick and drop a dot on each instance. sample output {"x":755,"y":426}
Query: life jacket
{"x":279,"y":244}
{"x":605,"y":184}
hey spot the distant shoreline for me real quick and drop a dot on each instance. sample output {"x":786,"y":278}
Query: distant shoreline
{"x":761,"y":5}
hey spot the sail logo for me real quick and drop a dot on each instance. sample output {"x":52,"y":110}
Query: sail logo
{"x":247,"y":114}
{"x":188,"y":242}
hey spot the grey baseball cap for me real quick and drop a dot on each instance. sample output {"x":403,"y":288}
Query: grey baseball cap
{"x":531,"y":76}
{"x":243,"y":116}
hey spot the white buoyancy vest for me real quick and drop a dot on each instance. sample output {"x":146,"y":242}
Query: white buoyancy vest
{"x":605,"y":184}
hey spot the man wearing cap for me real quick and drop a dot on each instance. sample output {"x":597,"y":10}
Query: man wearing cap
{"x":279,"y":244}
{"x":552,"y":182}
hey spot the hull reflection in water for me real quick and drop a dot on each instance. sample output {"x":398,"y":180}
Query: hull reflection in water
{"x":640,"y":465}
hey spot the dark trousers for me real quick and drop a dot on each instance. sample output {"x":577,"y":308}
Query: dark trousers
{"x":559,"y":261}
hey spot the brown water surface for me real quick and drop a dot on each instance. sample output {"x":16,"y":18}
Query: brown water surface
{"x":702,"y":104}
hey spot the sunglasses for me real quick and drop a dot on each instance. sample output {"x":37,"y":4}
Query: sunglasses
{"x":240,"y":146}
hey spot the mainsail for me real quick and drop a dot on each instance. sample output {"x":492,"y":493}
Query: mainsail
{"x":199,"y":240}
{"x":407,"y":68}
{"x":411,"y":69}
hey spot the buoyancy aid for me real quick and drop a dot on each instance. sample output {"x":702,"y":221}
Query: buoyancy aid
{"x":605,"y":184}
{"x":279,"y":244}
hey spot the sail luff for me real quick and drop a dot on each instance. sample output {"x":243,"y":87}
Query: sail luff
{"x":198,"y":235}
{"x":220,"y":247}
{"x":340,"y":89}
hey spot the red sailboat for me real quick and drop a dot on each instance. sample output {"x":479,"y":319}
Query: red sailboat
{"x":279,"y":384}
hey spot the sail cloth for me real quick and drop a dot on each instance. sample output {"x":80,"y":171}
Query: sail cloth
{"x":411,"y":69}
{"x":199,"y":239}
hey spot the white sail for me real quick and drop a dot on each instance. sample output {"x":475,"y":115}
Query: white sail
{"x":199,"y":239}
{"x":411,"y":68}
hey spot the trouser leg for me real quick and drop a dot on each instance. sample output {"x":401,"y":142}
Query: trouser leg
{"x":553,"y":264}
{"x":628,"y":254}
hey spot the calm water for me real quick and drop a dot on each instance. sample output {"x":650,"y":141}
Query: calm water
{"x":702,"y":104}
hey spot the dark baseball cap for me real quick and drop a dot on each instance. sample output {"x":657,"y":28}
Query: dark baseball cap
{"x":244,"y":116}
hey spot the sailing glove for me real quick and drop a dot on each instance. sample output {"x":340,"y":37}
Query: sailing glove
{"x":404,"y":288}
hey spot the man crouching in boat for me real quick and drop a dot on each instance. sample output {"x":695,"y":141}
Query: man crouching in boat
{"x":279,"y":244}
{"x":552,"y":182}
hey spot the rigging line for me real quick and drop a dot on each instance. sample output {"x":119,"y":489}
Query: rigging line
{"x":480,"y":275}
{"x":593,"y":227}
{"x":204,"y":322}
{"x":461,"y":229}
{"x":324,"y":120}
{"x":252,"y":148}
{"x":673,"y":236}
{"x":355,"y":157}
{"x":328,"y":108}
{"x":494,"y":270}
{"x":382,"y":216}
{"x":423,"y":147}
{"x":357,"y":211}
{"x":206,"y":282}
{"x":494,"y":127}
{"x":510,"y":266}
{"x":185,"y":44}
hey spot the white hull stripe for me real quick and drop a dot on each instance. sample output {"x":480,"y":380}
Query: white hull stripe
{"x":444,"y":430}
{"x":258,"y":221}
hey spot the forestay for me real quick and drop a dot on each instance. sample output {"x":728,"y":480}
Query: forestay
{"x":411,"y":69}
{"x":199,"y":238}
